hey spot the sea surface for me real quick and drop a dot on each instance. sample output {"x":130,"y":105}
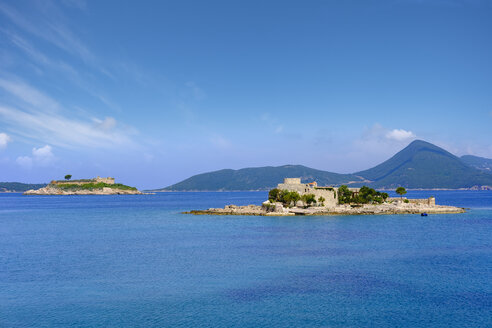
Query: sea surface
{"x":135,"y":261}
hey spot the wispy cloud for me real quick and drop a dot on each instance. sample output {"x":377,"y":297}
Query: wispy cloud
{"x":107,"y":124}
{"x":67,"y":71}
{"x":28,"y":94}
{"x":36,"y":116}
{"x":62,"y":131}
{"x":50,"y":29}
{"x":39,"y":57}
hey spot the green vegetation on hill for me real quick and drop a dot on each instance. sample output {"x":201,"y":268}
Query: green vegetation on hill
{"x":258,"y":178}
{"x":93,"y":186}
{"x":424,"y":165}
{"x":19,"y":187}
{"x":481,"y":163}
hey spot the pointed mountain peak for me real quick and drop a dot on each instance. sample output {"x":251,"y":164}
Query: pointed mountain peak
{"x":418,"y":142}
{"x":417,"y":146}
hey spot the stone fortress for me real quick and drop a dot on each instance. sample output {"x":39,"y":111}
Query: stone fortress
{"x":330,"y":194}
{"x":107,"y":180}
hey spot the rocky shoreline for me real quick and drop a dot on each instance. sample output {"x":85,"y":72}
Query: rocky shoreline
{"x":50,"y":190}
{"x":367,"y":209}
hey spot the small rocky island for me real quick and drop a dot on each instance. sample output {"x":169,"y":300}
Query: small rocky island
{"x":295,"y":198}
{"x":96,"y":186}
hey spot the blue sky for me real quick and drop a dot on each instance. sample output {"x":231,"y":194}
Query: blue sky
{"x":153,"y":92}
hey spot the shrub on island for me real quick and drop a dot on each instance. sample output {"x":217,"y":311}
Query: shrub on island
{"x":93,"y":186}
{"x":308,"y":199}
{"x":288,"y":198}
{"x":365,"y":195}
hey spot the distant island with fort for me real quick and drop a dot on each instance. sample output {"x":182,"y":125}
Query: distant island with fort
{"x":95,"y":186}
{"x":295,"y":198}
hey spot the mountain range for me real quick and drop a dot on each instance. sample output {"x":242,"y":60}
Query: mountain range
{"x":484,"y":164}
{"x":419,"y":165}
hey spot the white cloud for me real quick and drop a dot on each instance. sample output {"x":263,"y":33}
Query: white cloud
{"x":4,"y":140}
{"x":400,"y":135}
{"x":24,"y":161}
{"x":377,"y":143}
{"x":42,"y":156}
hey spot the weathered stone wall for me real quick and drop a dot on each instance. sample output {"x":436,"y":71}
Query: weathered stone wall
{"x":294,"y":184}
{"x":294,"y":181}
{"x":107,"y":180}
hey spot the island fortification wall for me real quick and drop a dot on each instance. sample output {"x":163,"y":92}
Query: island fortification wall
{"x":107,"y":180}
{"x":328,"y":193}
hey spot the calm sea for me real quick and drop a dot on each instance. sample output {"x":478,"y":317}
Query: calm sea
{"x":135,"y":261}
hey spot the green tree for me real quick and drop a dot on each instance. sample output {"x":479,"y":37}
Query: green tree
{"x":308,"y":199}
{"x":344,"y":194}
{"x":295,"y":196}
{"x":321,"y":200}
{"x":68,"y":177}
{"x":366,"y":195}
{"x":401,"y":191}
{"x":290,"y":197}
{"x":273,"y":194}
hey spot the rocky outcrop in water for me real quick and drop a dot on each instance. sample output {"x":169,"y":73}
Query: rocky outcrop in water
{"x":277,"y":209}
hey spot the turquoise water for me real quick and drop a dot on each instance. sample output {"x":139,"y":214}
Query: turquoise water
{"x":134,"y":261}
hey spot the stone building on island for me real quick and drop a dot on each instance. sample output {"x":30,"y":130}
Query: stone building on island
{"x":330,"y":194}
